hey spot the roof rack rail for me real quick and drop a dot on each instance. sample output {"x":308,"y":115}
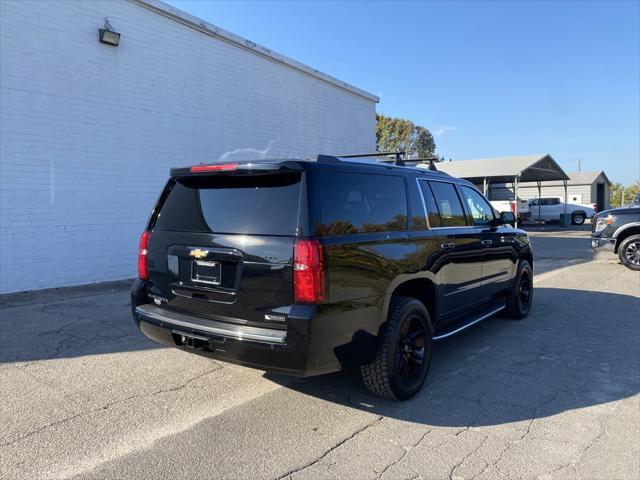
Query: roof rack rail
{"x":430,"y":160}
{"x":399,"y":157}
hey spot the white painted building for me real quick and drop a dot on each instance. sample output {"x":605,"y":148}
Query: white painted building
{"x":88,"y":131}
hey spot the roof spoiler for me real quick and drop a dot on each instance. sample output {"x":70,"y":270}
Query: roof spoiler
{"x":253,"y":167}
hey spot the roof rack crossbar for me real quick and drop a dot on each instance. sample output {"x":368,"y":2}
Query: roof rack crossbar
{"x":399,"y":155}
{"x":430,"y":160}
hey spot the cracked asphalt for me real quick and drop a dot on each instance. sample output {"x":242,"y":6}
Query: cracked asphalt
{"x":556,"y":396}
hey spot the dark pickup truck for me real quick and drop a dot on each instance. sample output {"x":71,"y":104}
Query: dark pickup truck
{"x":618,"y":230}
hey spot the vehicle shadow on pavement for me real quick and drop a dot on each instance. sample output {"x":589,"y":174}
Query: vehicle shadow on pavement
{"x":83,"y":321}
{"x":576,"y":349}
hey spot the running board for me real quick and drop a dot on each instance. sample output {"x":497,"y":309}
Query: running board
{"x":473,"y":321}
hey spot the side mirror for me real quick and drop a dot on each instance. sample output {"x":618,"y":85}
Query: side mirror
{"x":508,"y":218}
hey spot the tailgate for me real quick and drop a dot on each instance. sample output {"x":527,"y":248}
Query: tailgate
{"x":222,"y":246}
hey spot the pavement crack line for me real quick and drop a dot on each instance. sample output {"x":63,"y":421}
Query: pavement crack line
{"x":109,"y":405}
{"x":404,"y":454}
{"x":515,"y":442}
{"x":372,"y":424}
{"x":464,"y":459}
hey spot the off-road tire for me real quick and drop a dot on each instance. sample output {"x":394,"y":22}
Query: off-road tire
{"x":380,"y":376}
{"x":623,"y":251}
{"x":516,"y":308}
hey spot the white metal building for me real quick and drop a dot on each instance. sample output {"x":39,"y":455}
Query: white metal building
{"x":582,"y":187}
{"x":88,"y":131}
{"x":490,"y":174}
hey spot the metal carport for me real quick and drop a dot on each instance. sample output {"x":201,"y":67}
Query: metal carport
{"x":514,"y":170}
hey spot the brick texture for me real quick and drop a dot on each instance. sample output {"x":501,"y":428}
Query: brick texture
{"x":88,"y":131}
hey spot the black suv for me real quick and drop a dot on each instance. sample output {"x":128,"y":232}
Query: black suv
{"x":303,"y":267}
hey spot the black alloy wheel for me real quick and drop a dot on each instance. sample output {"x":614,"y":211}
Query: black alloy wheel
{"x":525,"y":289}
{"x":409,"y":357}
{"x":520,"y":297}
{"x":402,"y":361}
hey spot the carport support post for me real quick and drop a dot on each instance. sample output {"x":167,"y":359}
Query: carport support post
{"x":539,"y":196}
{"x":516,"y":180}
{"x":564,"y":205}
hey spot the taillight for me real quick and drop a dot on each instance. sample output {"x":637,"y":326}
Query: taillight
{"x":308,"y":272}
{"x":220,"y":167}
{"x":143,"y":271}
{"x":513,"y":207}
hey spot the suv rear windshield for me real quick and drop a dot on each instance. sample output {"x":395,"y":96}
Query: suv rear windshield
{"x":256,"y":204}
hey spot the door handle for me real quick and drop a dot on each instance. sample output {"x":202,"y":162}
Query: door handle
{"x":487,"y":243}
{"x":448,"y":246}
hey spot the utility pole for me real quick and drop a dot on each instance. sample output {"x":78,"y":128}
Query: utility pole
{"x":579,"y":161}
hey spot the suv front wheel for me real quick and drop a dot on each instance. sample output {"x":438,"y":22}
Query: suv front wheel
{"x":521,"y":294}
{"x":401,"y":364}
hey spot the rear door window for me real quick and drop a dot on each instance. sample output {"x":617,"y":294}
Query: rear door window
{"x":253,"y":204}
{"x":430,"y":203}
{"x":448,"y":202}
{"x":361,"y":203}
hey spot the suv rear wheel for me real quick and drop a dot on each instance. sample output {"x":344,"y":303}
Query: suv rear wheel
{"x":401,"y":364}
{"x":629,"y":252}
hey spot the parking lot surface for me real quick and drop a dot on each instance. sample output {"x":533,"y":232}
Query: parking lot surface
{"x":554,"y":396}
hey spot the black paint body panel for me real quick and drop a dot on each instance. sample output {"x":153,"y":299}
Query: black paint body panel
{"x":363,"y":270}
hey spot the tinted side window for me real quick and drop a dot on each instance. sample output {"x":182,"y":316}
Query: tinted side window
{"x":480,"y":210}
{"x":449,"y":205}
{"x":430,"y":203}
{"x":361,"y":203}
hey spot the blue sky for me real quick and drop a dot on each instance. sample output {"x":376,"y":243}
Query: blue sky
{"x":488,"y":78}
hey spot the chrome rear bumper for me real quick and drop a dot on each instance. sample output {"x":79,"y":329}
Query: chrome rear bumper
{"x":169,"y":319}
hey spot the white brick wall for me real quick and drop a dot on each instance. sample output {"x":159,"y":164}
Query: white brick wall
{"x":88,"y":132}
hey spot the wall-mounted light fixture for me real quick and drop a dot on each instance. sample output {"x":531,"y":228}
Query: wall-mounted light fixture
{"x":108,"y":35}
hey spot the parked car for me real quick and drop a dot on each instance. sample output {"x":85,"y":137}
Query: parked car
{"x":550,"y":209}
{"x":521,"y":209}
{"x":618,"y":230}
{"x":304,"y":267}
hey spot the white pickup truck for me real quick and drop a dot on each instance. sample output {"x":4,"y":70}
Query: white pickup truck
{"x":550,"y":209}
{"x":523,"y":211}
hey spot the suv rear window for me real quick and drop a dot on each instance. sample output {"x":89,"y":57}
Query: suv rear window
{"x":361,"y":203}
{"x":256,"y":204}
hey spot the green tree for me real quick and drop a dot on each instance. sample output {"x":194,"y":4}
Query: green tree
{"x":425,"y":145}
{"x":399,"y":134}
{"x":630,"y":192}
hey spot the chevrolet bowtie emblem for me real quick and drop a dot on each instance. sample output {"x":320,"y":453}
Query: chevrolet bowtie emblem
{"x":198,"y":253}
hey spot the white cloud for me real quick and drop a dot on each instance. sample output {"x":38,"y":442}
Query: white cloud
{"x":442,"y":129}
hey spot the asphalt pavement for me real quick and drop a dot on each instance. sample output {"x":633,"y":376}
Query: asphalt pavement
{"x":555,"y":396}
